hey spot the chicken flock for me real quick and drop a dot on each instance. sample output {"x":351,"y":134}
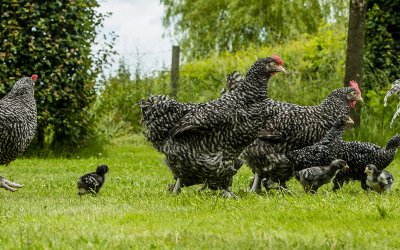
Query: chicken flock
{"x":207,"y":143}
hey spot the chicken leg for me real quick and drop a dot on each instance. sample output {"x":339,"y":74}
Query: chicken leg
{"x":256,"y":187}
{"x":177,"y":187}
{"x":9,"y":185}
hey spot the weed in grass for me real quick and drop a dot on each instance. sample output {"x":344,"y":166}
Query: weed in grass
{"x":381,"y":211}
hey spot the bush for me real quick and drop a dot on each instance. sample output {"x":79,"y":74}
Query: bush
{"x":54,"y":40}
{"x":116,"y":108}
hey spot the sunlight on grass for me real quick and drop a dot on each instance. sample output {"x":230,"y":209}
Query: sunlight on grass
{"x":134,"y":209}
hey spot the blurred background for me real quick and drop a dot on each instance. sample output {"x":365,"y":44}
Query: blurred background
{"x":95,"y":59}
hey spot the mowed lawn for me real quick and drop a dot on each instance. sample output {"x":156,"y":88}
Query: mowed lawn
{"x":135,"y":211}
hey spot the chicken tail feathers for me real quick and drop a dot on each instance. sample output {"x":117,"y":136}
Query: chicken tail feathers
{"x":393,"y":143}
{"x":160,"y":114}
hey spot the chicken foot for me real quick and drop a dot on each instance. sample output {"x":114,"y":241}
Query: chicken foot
{"x":9,"y":185}
{"x":229,"y":194}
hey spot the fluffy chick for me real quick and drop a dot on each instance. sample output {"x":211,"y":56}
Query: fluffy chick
{"x":92,"y":182}
{"x":378,"y":180}
{"x":314,"y":177}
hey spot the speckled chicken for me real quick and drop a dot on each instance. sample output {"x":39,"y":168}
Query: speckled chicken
{"x":202,"y":142}
{"x":293,"y":128}
{"x":323,"y":152}
{"x":92,"y":182}
{"x":359,"y":154}
{"x":394,"y":90}
{"x":314,"y":177}
{"x":378,"y":180}
{"x":17,"y":124}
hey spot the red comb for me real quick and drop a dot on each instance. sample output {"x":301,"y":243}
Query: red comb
{"x":34,"y":77}
{"x":354,"y":85}
{"x":278,"y":59}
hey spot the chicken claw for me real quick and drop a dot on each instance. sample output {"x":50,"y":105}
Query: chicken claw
{"x":9,"y":185}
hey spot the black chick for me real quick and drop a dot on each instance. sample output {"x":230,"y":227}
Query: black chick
{"x":378,"y":180}
{"x":92,"y":182}
{"x":312,"y":178}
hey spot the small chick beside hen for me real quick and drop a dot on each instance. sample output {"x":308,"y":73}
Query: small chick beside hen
{"x":92,"y":182}
{"x":314,"y":177}
{"x":378,"y":180}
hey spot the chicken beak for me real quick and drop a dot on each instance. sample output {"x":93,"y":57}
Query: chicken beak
{"x":359,"y":99}
{"x":280,"y":69}
{"x":366,"y":170}
{"x":346,"y":167}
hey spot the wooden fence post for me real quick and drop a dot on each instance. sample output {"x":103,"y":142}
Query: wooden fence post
{"x":175,"y":71}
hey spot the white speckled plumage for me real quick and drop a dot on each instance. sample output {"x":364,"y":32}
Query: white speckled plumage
{"x":394,"y":90}
{"x":17,"y":123}
{"x":378,"y":180}
{"x":293,"y":128}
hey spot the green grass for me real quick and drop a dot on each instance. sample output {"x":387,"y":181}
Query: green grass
{"x":134,"y":210}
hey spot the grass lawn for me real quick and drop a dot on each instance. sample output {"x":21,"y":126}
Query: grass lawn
{"x":135,"y":211}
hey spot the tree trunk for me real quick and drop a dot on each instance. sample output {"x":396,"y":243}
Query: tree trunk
{"x":355,"y":49}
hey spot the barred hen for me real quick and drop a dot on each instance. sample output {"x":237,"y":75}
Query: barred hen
{"x":378,"y":180}
{"x":202,"y":142}
{"x":359,"y":154}
{"x":17,"y":124}
{"x":323,"y":152}
{"x":293,"y":128}
{"x":314,"y":177}
{"x":395,"y":90}
{"x":92,"y":182}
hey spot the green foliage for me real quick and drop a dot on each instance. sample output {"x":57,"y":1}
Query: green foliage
{"x":116,"y":108}
{"x":54,"y":39}
{"x":381,"y":211}
{"x":204,"y":26}
{"x":314,"y":67}
{"x":382,"y":52}
{"x":134,"y":210}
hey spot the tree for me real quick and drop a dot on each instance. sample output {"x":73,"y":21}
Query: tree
{"x":382,"y":43}
{"x":202,"y":26}
{"x":355,"y":47}
{"x":54,"y":39}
